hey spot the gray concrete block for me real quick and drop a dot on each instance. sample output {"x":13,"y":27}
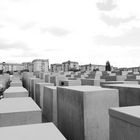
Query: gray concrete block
{"x":55,"y":79}
{"x":94,"y":82}
{"x":83,"y":111}
{"x":25,"y":79}
{"x":132,"y":82}
{"x":69,"y":82}
{"x":129,"y":94}
{"x":44,"y":131}
{"x":19,"y":111}
{"x":39,"y":92}
{"x":13,"y":92}
{"x":33,"y":82}
{"x":50,"y":104}
{"x":31,"y":88}
{"x":125,"y":123}
{"x":47,"y":78}
{"x":112,"y":82}
{"x":121,"y":77}
{"x":16,"y":84}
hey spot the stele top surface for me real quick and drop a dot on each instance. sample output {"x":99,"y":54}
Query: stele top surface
{"x":13,"y":82}
{"x":113,"y":82}
{"x":8,"y":105}
{"x":86,"y":88}
{"x":130,"y":114}
{"x":15,"y":90}
{"x":124,"y":85}
{"x":44,"y":131}
{"x":41,"y":83}
{"x":45,"y":84}
{"x":32,"y":78}
{"x":51,"y":87}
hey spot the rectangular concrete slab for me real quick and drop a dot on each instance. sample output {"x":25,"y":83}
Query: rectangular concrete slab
{"x":69,"y":82}
{"x":19,"y":111}
{"x":15,"y":92}
{"x":55,"y":79}
{"x":31,"y":88}
{"x":50,"y":104}
{"x":33,"y":84}
{"x":44,"y":131}
{"x":129,"y":94}
{"x":94,"y":82}
{"x":16,"y":84}
{"x":25,"y":79}
{"x":83,"y":111}
{"x":112,"y":82}
{"x":39,"y":91}
{"x":125,"y":123}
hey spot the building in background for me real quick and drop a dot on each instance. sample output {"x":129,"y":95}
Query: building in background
{"x":40,"y":65}
{"x":11,"y":67}
{"x":92,"y":67}
{"x":134,"y":69}
{"x":28,"y":66}
{"x":70,"y":66}
{"x":56,"y":67}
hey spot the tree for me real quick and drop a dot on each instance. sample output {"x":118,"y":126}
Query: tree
{"x":108,"y":67}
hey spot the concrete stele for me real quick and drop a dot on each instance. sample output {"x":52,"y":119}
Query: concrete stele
{"x":43,"y":131}
{"x":125,"y":123}
{"x":15,"y":92}
{"x":39,"y":91}
{"x":16,"y":84}
{"x":34,"y":83}
{"x":50,"y":104}
{"x":19,"y":111}
{"x":31,"y":89}
{"x":129,"y":94}
{"x":83,"y":111}
{"x":94,"y":82}
{"x":69,"y":82}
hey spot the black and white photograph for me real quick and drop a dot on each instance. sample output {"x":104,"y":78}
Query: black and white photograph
{"x":70,"y":69}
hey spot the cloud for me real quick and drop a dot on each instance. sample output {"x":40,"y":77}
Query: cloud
{"x":55,"y":31}
{"x":131,"y":38}
{"x":116,"y":21}
{"x":106,"y":5}
{"x":28,"y":25}
{"x":1,"y":26}
{"x":52,"y":50}
{"x":4,"y":45}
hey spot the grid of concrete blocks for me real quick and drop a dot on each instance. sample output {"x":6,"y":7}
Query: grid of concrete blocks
{"x":70,"y":105}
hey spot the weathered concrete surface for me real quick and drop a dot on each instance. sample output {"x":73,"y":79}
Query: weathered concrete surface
{"x":109,"y":78}
{"x":16,"y":84}
{"x":25,"y":79}
{"x":18,"y":111}
{"x":94,"y":82}
{"x":125,"y":123}
{"x":112,"y":82}
{"x":15,"y":92}
{"x":121,"y":77}
{"x":31,"y":89}
{"x":69,"y":82}
{"x":34,"y":81}
{"x":39,"y":92}
{"x":83,"y":111}
{"x":43,"y":131}
{"x":55,"y":79}
{"x":129,"y":94}
{"x":47,"y":78}
{"x":132,"y":82}
{"x":50,"y":104}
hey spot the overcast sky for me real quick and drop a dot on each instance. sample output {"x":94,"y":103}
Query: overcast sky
{"x":87,"y":31}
